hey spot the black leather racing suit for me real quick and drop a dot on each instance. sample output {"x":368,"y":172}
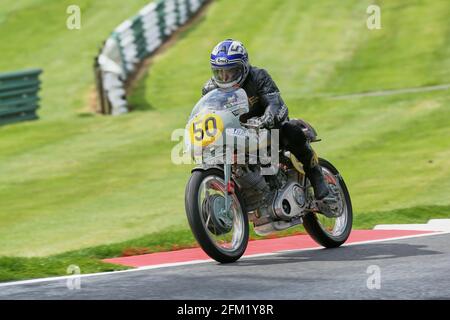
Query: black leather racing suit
{"x":264,"y":96}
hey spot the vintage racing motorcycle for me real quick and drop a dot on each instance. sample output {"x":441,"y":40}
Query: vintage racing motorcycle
{"x":224,"y":194}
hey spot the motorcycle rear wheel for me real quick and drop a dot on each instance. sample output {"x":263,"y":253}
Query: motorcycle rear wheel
{"x":331,"y":232}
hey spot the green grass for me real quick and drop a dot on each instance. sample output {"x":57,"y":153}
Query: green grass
{"x":73,"y":181}
{"x":34,"y":34}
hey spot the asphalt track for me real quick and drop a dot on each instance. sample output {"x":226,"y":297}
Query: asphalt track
{"x":412,"y":268}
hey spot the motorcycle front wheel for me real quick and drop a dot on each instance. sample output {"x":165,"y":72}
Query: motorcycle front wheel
{"x":222,"y":234}
{"x":326,"y":231}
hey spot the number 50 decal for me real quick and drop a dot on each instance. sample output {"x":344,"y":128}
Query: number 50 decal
{"x":204,"y":129}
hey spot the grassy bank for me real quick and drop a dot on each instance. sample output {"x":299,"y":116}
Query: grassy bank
{"x":74,"y":180}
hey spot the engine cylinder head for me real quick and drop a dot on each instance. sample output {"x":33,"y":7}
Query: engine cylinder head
{"x":253,"y":186}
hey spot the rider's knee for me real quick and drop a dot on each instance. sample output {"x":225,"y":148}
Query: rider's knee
{"x":293,"y":133}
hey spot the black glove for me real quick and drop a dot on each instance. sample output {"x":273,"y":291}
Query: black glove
{"x":267,"y":120}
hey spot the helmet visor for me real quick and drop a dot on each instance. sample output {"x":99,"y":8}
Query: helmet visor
{"x":227,"y":75}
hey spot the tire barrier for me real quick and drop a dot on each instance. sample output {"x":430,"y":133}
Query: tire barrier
{"x":131,"y":43}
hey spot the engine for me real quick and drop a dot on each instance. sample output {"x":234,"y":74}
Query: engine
{"x":289,"y":201}
{"x":255,"y":189}
{"x":274,"y":202}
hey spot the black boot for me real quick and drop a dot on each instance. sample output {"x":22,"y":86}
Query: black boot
{"x":313,"y":171}
{"x":318,"y":183}
{"x":295,"y":141}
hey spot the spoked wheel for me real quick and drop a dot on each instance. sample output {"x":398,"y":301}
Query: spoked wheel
{"x":331,"y":232}
{"x":222,"y":234}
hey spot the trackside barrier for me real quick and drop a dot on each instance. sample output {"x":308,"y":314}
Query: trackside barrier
{"x":19,"y":95}
{"x":131,"y":43}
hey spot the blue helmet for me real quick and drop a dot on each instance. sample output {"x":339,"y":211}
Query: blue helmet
{"x":229,"y":63}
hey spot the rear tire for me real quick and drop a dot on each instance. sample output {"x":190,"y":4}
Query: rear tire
{"x":198,"y":226}
{"x":312,"y":220}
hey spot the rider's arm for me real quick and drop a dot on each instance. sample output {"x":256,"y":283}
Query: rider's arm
{"x":209,"y":86}
{"x":271,"y":97}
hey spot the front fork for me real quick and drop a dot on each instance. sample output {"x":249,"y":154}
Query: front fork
{"x":229,"y":184}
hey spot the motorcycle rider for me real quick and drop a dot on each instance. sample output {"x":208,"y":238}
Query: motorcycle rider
{"x":231,"y":68}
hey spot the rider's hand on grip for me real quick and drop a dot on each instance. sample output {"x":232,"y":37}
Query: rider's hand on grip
{"x":253,"y":123}
{"x":267,"y":120}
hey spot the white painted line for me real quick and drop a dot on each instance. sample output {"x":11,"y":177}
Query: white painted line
{"x":436,"y":233}
{"x":418,"y":227}
{"x":443,"y":223}
{"x":206,"y":261}
{"x":103,"y":273}
{"x":432,"y":225}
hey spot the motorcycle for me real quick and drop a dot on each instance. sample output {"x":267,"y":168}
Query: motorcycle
{"x":224,"y":194}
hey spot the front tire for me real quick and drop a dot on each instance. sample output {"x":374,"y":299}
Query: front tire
{"x":223,"y":238}
{"x":331,"y":232}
